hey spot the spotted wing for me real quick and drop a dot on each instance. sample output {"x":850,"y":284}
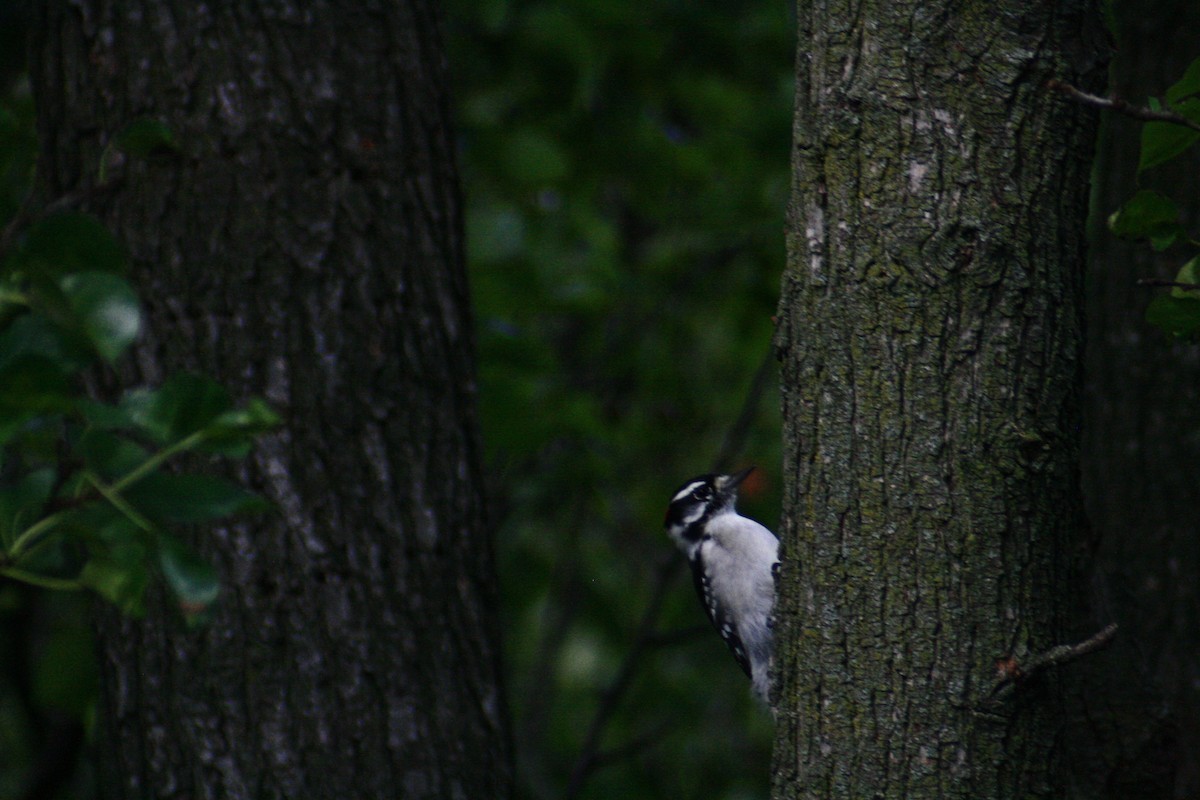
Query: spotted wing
{"x":717,"y":614}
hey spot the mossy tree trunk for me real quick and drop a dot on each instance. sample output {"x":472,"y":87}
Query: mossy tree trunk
{"x":306,"y":246}
{"x":930,"y":333}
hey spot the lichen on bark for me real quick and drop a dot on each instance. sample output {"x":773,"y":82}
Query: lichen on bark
{"x":930,"y":334}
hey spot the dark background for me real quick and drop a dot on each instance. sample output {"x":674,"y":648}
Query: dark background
{"x":625,"y":170}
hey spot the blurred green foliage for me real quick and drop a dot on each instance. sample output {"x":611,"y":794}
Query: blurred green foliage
{"x":626,"y":172}
{"x":18,"y":145}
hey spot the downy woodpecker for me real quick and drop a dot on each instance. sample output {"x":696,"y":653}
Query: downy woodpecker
{"x":733,"y":561}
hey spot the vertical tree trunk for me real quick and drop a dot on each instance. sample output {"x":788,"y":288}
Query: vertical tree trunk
{"x":306,"y":245}
{"x":1140,"y":446}
{"x":930,"y":332}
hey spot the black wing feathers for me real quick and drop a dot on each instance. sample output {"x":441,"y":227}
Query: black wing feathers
{"x":716,"y":614}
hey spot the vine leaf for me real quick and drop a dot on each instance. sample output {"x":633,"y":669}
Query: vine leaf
{"x":106,"y":309}
{"x":1162,"y":141}
{"x":146,"y":137}
{"x":1146,"y":215}
{"x":1189,"y":274}
{"x":190,"y":578}
{"x":1175,"y":316}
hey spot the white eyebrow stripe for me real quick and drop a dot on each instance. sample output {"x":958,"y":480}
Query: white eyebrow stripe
{"x":685,"y":491}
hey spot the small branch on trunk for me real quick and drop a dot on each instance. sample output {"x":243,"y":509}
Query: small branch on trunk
{"x":1191,"y":287}
{"x":1121,"y":106}
{"x":1013,"y":673}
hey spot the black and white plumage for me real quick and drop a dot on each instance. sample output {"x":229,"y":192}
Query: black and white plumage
{"x":733,"y":559}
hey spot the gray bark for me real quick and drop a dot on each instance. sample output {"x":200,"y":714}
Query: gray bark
{"x":305,"y":246}
{"x":930,"y":333}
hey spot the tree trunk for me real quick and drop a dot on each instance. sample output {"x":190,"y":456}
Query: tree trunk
{"x":1140,"y":446}
{"x":306,"y":246}
{"x":930,"y":333}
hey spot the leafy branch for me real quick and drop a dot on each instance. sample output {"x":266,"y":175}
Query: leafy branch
{"x":1010,"y":673}
{"x":1143,"y":113}
{"x":1172,"y":126}
{"x":86,"y":498}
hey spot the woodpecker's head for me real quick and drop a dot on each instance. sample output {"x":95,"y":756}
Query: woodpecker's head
{"x":699,"y":500}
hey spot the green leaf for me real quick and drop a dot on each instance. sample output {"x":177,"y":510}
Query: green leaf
{"x":191,"y":498}
{"x":104,"y":417}
{"x":146,"y":137}
{"x":118,"y":569}
{"x":1146,"y":214}
{"x":107,"y":310}
{"x":108,"y":455}
{"x":21,"y":504}
{"x":65,"y":243}
{"x":1188,"y":273}
{"x":13,"y":300}
{"x":12,"y":424}
{"x":34,"y":383}
{"x":1186,"y":86}
{"x":190,"y":578}
{"x":232,"y":433}
{"x":1160,"y":243}
{"x":99,"y":526}
{"x":1162,"y":141}
{"x":55,"y":557}
{"x":1175,"y":316}
{"x":123,"y":585}
{"x":34,"y":334}
{"x":183,"y":405}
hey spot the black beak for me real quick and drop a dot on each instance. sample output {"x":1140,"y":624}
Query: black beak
{"x":731,"y":482}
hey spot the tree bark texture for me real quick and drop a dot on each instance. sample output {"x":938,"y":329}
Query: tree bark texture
{"x":305,"y":246}
{"x":1140,"y":441}
{"x":930,"y":334}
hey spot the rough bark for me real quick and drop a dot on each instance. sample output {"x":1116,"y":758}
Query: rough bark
{"x":930,"y":333}
{"x":305,"y":246}
{"x":1140,"y":447}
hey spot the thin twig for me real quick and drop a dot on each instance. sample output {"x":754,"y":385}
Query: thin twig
{"x":1014,"y":673}
{"x":1121,"y":106}
{"x":634,"y":746}
{"x":678,"y":637}
{"x":1064,"y":653}
{"x":589,"y":754}
{"x":560,"y":615}
{"x":735,"y":437}
{"x":1191,"y":287}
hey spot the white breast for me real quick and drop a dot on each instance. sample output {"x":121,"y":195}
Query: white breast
{"x":740,"y":554}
